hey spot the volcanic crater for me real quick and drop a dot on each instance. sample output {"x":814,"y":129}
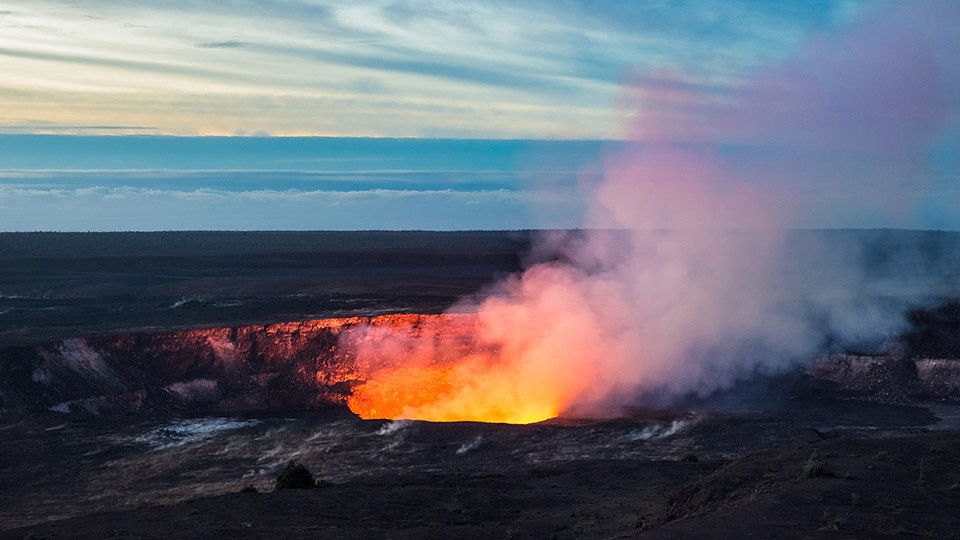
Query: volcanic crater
{"x":131,"y":417}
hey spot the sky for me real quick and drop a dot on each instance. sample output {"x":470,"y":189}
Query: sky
{"x":299,"y":114}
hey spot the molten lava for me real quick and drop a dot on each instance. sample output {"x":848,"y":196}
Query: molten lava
{"x":448,"y":392}
{"x":438,"y":368}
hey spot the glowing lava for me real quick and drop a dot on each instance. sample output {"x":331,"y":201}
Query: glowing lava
{"x":439,"y":368}
{"x":447,"y":393}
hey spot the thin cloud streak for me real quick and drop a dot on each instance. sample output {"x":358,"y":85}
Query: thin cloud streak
{"x":224,"y":45}
{"x":100,"y":208}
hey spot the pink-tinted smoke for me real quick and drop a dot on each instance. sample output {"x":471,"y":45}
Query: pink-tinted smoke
{"x":844,"y":127}
{"x":682,"y":282}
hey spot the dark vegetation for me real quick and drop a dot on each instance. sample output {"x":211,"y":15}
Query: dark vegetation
{"x":295,"y":476}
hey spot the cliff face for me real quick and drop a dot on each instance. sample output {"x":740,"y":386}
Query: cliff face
{"x":889,"y":379}
{"x":302,"y":365}
{"x":247,"y":368}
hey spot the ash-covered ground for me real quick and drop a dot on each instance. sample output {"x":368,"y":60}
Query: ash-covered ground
{"x":141,"y":394}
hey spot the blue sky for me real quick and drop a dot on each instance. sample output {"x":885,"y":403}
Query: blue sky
{"x":297,"y":114}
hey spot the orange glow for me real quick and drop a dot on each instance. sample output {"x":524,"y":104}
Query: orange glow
{"x":468,"y":389}
{"x":443,"y":368}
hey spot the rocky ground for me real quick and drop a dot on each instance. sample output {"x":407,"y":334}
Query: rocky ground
{"x":660,"y":475}
{"x":154,"y":386}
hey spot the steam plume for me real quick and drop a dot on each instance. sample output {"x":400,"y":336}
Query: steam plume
{"x":686,"y":277}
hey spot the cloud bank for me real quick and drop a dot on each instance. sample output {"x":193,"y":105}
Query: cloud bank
{"x":123,"y":208}
{"x":399,"y":68}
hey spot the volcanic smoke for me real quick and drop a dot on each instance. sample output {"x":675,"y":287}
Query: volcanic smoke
{"x":686,"y":277}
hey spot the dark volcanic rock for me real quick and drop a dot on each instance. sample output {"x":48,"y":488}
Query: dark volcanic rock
{"x":935,"y":333}
{"x":286,"y":366}
{"x":225,"y":369}
{"x":898,"y":483}
{"x":889,"y":379}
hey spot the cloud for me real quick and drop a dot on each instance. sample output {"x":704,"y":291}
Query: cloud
{"x":49,"y":127}
{"x":223,"y":44}
{"x":99,"y":208}
{"x":483,"y":68}
{"x":162,"y":199}
{"x":70,"y":57}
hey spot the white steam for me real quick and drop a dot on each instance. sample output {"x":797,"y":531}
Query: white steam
{"x":687,"y":277}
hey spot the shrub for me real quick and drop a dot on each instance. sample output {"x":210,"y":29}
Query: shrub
{"x":295,"y":476}
{"x":816,"y":469}
{"x":689,"y":457}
